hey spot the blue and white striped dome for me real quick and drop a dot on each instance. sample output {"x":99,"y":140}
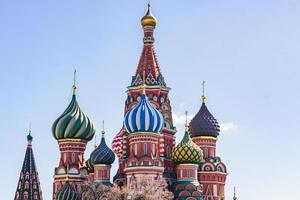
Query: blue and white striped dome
{"x":143,"y":117}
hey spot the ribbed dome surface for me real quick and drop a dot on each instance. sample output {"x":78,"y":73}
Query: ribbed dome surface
{"x":102,"y":154}
{"x":73,"y":124}
{"x":187,"y":151}
{"x":67,"y":193}
{"x":204,"y":124}
{"x":117,"y":145}
{"x":143,"y":117}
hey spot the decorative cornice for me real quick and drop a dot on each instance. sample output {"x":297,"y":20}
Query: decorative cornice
{"x":205,"y":138}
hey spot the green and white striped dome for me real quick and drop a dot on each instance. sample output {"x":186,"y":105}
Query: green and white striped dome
{"x":67,"y":193}
{"x":73,"y":124}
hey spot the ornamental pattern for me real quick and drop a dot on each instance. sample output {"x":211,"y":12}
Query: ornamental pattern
{"x":143,"y":117}
{"x":204,"y":124}
{"x":73,"y":123}
{"x":187,"y":151}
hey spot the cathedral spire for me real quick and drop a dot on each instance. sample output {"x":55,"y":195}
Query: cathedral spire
{"x":148,"y":71}
{"x":29,"y":185}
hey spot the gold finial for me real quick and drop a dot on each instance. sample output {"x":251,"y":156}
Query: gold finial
{"x":149,"y":19}
{"x":203,"y":97}
{"x":143,"y":88}
{"x":95,"y":142}
{"x":103,"y":129}
{"x":74,"y":83}
{"x":186,"y":122}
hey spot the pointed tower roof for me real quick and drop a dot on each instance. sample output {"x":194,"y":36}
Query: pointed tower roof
{"x":28,"y":186}
{"x":148,"y":70}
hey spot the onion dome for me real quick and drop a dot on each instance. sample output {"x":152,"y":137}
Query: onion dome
{"x":204,"y":123}
{"x":73,"y":123}
{"x":187,"y":151}
{"x":143,"y":117}
{"x":117,"y":145}
{"x":89,"y":165}
{"x":102,"y":154}
{"x":149,"y":19}
{"x":67,"y":193}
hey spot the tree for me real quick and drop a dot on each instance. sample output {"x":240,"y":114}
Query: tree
{"x":145,"y":189}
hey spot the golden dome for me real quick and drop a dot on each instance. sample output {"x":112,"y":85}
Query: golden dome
{"x":148,"y":19}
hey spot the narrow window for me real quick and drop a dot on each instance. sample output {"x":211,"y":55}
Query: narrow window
{"x":73,"y":157}
{"x":145,"y":149}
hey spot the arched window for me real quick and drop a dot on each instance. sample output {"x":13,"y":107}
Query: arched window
{"x":25,"y":196}
{"x":135,"y":149}
{"x":26,"y":185}
{"x":27,"y":176}
{"x":206,"y":152}
{"x":65,"y":157}
{"x":154,"y":150}
{"x":35,"y":196}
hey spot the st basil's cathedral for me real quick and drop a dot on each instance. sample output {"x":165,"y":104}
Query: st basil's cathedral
{"x":144,"y":147}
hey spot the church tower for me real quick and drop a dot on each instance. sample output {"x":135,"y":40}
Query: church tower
{"x":187,"y":156}
{"x":148,"y":72}
{"x":143,"y":123}
{"x":204,"y":130}
{"x":28,"y":187}
{"x":72,"y":130}
{"x":100,"y":163}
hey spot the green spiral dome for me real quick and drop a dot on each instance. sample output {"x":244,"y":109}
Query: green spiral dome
{"x":67,"y":193}
{"x":73,"y":124}
{"x":187,"y":151}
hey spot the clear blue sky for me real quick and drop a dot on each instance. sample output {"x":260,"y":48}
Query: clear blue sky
{"x":247,"y":51}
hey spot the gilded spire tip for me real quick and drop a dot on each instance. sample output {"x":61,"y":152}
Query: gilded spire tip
{"x":149,"y":19}
{"x":103,"y":129}
{"x":203,"y":97}
{"x":74,"y":87}
{"x":95,"y":142}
